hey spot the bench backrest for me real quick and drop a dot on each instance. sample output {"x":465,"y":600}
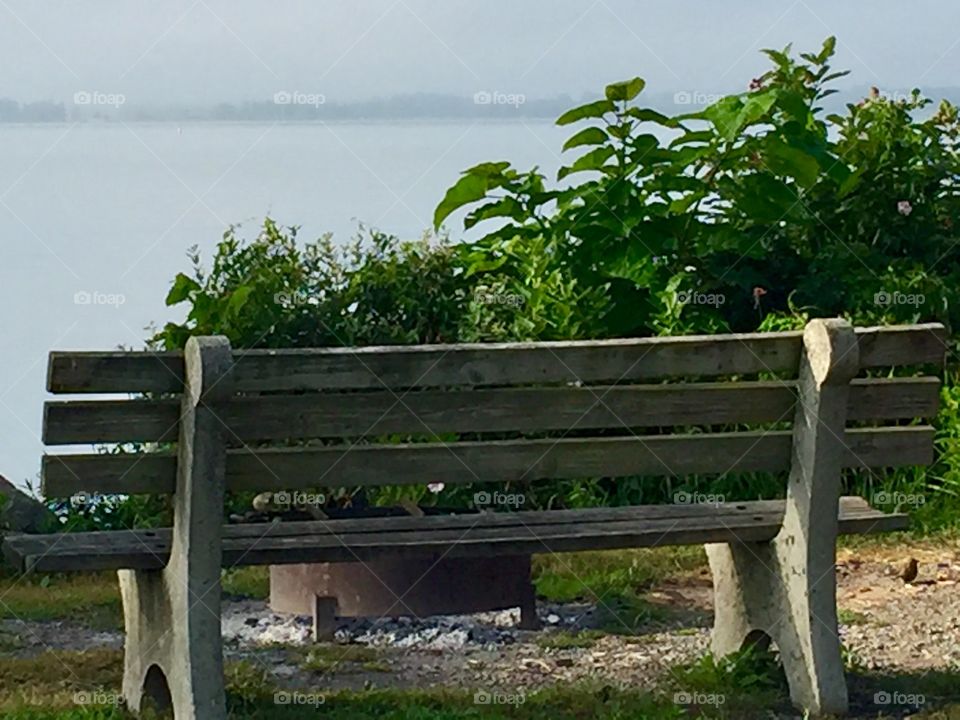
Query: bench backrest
{"x":518,"y":412}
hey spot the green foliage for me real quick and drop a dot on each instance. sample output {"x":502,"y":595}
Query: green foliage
{"x":749,"y":679}
{"x":275,"y":292}
{"x":757,"y":199}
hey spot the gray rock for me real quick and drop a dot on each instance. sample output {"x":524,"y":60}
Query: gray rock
{"x":21,"y":513}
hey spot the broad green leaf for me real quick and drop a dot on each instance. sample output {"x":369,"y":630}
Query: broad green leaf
{"x":756,"y":107}
{"x":587,"y":136}
{"x":593,"y":160}
{"x":765,"y":198}
{"x":792,"y":162}
{"x":626,"y":90}
{"x":182,"y":287}
{"x":681,"y":205}
{"x":648,"y":115}
{"x":238,"y":299}
{"x":794,"y":105}
{"x":829,"y":47}
{"x":850,"y":184}
{"x":836,"y":76}
{"x":488,"y":169}
{"x":468,"y":189}
{"x":725,"y":116}
{"x":505,"y":207}
{"x":590,"y":110}
{"x":698,"y":136}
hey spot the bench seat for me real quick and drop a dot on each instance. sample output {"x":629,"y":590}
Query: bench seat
{"x":473,"y":534}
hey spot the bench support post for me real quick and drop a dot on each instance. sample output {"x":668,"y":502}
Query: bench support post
{"x":174,"y":653}
{"x":785,"y":590}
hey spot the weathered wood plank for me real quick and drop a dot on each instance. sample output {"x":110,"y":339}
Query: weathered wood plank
{"x":499,"y":410}
{"x":463,"y":535}
{"x":489,"y":364}
{"x":499,"y":461}
{"x":850,"y":505}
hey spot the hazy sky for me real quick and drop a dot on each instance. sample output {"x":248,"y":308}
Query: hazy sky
{"x":200,"y":51}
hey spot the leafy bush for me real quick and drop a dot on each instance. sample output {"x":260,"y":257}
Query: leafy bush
{"x":271,"y":292}
{"x":758,"y":201}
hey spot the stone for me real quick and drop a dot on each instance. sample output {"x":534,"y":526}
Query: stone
{"x":20,"y":512}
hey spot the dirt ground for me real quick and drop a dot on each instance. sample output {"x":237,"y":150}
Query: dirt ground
{"x":889,"y":626}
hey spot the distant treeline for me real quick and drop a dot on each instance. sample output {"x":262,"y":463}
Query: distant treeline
{"x":12,"y":111}
{"x":296,"y":106}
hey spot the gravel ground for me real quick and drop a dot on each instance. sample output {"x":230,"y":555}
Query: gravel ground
{"x":887,"y":624}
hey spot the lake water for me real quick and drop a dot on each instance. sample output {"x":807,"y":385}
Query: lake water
{"x":105,"y":213}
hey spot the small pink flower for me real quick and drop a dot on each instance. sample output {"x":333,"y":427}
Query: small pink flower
{"x":436,"y":488}
{"x":758,"y":292}
{"x":904,"y":208}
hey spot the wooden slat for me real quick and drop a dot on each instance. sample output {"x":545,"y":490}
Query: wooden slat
{"x":483,"y":534}
{"x":489,"y":364}
{"x":500,"y":461}
{"x":77,"y":422}
{"x":500,"y":410}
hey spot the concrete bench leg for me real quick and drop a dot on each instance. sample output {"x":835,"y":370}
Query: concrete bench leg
{"x":173,"y":655}
{"x":174,"y":652}
{"x":786,"y":589}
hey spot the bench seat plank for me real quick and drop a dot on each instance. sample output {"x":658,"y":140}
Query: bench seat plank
{"x":464,"y":535}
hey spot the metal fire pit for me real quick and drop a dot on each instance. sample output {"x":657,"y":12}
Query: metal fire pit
{"x":427,"y":586}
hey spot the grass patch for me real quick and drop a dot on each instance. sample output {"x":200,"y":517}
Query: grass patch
{"x":739,"y":685}
{"x":851,"y":617}
{"x":252,"y":581}
{"x":588,"y":575}
{"x":615,"y":581}
{"x":53,"y":679}
{"x":343,"y":658}
{"x":90,"y":599}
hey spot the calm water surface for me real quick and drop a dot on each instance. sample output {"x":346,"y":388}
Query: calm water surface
{"x":95,"y":220}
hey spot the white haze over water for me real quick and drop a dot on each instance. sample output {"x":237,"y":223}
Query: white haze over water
{"x":95,"y":217}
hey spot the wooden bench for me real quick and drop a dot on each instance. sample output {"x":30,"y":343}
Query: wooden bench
{"x":636,"y":407}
